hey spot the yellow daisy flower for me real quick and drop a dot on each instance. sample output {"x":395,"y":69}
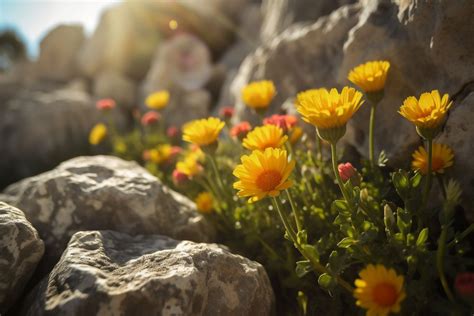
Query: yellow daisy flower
{"x":370,"y":76}
{"x":443,"y":157}
{"x":203,"y":132}
{"x":259,"y":94}
{"x":379,"y":290}
{"x":160,"y":154}
{"x":97,"y":134}
{"x":204,"y":202}
{"x":263,"y":173}
{"x":296,"y":134}
{"x":158,"y":100}
{"x":189,"y":166}
{"x":428,"y":112}
{"x":327,"y":109}
{"x":267,"y":136}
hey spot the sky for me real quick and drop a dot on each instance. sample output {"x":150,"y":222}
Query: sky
{"x":34,"y":18}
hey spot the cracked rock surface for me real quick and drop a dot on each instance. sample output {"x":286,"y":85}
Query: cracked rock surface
{"x":111,"y":273}
{"x":100,"y":193}
{"x":20,"y":251}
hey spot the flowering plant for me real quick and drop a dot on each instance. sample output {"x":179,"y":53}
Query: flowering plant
{"x":332,"y":236}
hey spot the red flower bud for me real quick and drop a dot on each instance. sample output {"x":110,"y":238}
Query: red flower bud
{"x":227,"y":112}
{"x":285,"y":122}
{"x":240,"y":130}
{"x":172,"y":132}
{"x":179,"y":178}
{"x":464,"y":284}
{"x":105,"y":104}
{"x":150,"y":118}
{"x":346,"y":171}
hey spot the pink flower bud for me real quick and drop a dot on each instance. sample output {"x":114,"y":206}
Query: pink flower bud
{"x":172,"y":132}
{"x":146,"y":155}
{"x":240,"y":130}
{"x":150,"y":118}
{"x":346,"y":171}
{"x":464,"y":284}
{"x":179,"y":178}
{"x":227,"y":112}
{"x":105,"y":104}
{"x":285,"y":122}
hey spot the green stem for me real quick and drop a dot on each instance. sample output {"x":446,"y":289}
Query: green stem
{"x":440,"y":263}
{"x":429,"y":175}
{"x":336,"y":173}
{"x":314,"y":262}
{"x":461,"y":236}
{"x":371,"y":135}
{"x":296,"y":212}
{"x":220,"y":184}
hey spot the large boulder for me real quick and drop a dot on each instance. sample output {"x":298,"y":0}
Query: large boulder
{"x":114,"y":85}
{"x":39,"y":128}
{"x":20,"y":251}
{"x":128,"y":33}
{"x":103,"y":192}
{"x":423,"y":40}
{"x":111,"y":273}
{"x":58,"y":53}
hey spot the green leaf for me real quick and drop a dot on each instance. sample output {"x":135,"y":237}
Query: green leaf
{"x":302,"y":237}
{"x":346,"y":242}
{"x":416,"y":180}
{"x":336,"y":261}
{"x":302,"y":268}
{"x":311,"y":251}
{"x":326,"y":281}
{"x":422,"y":237}
{"x":402,"y":183}
{"x":340,"y":206}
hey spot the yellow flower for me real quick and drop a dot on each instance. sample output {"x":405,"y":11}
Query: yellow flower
{"x":428,"y":112}
{"x":204,"y":202}
{"x":443,"y":157}
{"x":263,"y":173}
{"x":327,"y":109}
{"x":259,"y":94}
{"x":296,"y":134}
{"x":120,"y":147}
{"x":160,"y":154}
{"x":203,"y":132}
{"x":379,"y":290}
{"x":97,"y":134}
{"x":158,"y":100}
{"x":370,"y":76}
{"x":267,"y":136}
{"x":189,"y":166}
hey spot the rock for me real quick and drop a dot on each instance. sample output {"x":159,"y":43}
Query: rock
{"x":39,"y":128}
{"x":458,"y":135}
{"x":426,"y":36}
{"x":20,"y":251}
{"x":183,"y":61}
{"x":103,"y":192}
{"x":300,"y":58}
{"x":128,"y":33}
{"x":58,"y":53}
{"x":111,"y":273}
{"x":280,"y":14}
{"x":111,"y":84}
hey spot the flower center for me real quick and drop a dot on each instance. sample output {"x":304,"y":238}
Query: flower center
{"x":268,"y":180}
{"x":384,"y":294}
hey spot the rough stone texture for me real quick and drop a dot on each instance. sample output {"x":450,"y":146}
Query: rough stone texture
{"x":128,"y":33}
{"x":110,"y":84}
{"x":280,"y":14}
{"x":20,"y":251}
{"x":58,"y":53}
{"x":300,"y":58}
{"x":183,"y":61}
{"x":111,"y":273}
{"x":39,"y":128}
{"x":103,"y":192}
{"x":425,"y":41}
